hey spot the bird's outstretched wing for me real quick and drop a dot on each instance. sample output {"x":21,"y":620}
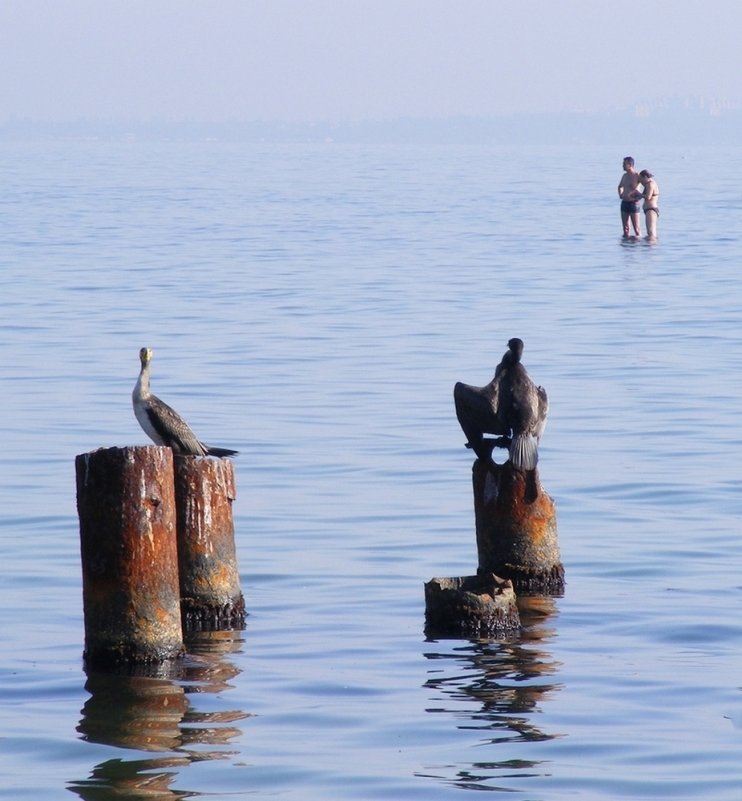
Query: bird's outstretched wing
{"x":476,"y":411}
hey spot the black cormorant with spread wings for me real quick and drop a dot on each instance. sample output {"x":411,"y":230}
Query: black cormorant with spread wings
{"x":522,"y":408}
{"x":162,"y":424}
{"x":511,"y":405}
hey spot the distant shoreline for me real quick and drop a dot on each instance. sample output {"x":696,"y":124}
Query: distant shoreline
{"x":673,"y":126}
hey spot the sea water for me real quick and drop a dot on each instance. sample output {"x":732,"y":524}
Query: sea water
{"x":313,"y":306}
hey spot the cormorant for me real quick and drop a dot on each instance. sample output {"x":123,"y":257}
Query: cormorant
{"x":522,"y":407}
{"x":162,"y":424}
{"x":511,"y":406}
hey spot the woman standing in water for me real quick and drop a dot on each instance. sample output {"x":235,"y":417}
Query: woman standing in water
{"x":651,"y":195}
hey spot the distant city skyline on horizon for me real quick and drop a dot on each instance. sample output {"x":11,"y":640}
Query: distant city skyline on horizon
{"x":672,"y":122}
{"x":698,"y":105}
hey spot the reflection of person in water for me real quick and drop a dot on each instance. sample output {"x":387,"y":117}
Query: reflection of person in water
{"x":651,"y":195}
{"x":629,"y":202}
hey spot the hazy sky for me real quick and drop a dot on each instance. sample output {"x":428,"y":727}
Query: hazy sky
{"x":335,"y":60}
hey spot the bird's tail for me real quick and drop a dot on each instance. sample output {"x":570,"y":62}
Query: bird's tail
{"x":220,"y":452}
{"x":524,"y":452}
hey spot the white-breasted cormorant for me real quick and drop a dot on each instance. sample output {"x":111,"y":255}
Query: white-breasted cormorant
{"x":162,"y":424}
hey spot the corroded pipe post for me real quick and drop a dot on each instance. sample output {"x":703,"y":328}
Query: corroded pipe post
{"x":516,"y":528}
{"x":209,"y":579}
{"x":471,"y":606}
{"x":126,"y":506}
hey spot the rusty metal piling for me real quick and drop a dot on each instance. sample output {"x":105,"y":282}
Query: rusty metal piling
{"x":516,"y":528}
{"x":126,"y":507}
{"x":209,"y":579}
{"x":471,"y":606}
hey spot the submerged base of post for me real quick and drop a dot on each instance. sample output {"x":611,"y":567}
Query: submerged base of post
{"x":479,"y":606}
{"x":516,"y":528}
{"x":203,"y":616}
{"x":209,"y":580}
{"x":129,"y":557}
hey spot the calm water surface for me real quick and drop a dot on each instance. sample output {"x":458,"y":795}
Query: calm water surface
{"x":313,"y":307}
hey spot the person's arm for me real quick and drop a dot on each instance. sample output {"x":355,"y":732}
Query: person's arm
{"x":636,"y":193}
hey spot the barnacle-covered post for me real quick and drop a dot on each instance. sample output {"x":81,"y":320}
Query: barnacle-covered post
{"x":209,"y":579}
{"x":131,"y":599}
{"x":471,"y":606}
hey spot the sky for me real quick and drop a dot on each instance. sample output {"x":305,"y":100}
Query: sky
{"x":355,"y":60}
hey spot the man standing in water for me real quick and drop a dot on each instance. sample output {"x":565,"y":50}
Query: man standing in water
{"x":629,"y":207}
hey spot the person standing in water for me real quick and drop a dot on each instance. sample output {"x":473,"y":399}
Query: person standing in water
{"x":626,"y":192}
{"x":651,"y":195}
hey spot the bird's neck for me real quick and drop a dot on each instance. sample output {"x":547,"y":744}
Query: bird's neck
{"x":142,"y":387}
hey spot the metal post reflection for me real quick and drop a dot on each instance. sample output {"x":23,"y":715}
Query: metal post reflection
{"x":494,"y":688}
{"x":155,"y":709}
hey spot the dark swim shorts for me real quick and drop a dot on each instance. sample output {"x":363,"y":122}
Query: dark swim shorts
{"x":631,"y":206}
